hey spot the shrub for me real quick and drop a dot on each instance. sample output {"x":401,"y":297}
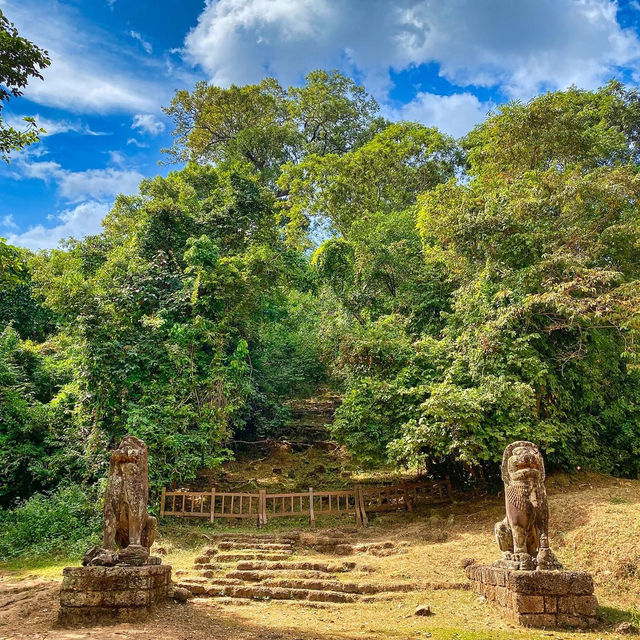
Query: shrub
{"x":62,"y":523}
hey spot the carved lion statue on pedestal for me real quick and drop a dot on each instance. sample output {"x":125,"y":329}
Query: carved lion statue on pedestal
{"x":523,"y":536}
{"x":127,"y":525}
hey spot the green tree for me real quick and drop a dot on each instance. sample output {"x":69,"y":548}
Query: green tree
{"x":20,"y":60}
{"x":263,"y":126}
{"x":383,"y":175}
{"x":167,"y":308}
{"x":543,"y":240}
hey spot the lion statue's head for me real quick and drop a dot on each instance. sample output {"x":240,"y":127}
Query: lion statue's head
{"x":522,"y":462}
{"x":131,"y":450}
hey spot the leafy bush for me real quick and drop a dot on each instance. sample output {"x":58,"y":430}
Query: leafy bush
{"x":63,"y":523}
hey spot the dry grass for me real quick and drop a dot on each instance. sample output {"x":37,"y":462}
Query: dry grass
{"x":595,"y":526}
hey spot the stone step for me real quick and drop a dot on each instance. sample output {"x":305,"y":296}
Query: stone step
{"x":253,"y":537}
{"x":200,"y":589}
{"x":256,"y":592}
{"x":307,"y":566}
{"x":258,"y":576}
{"x":209,"y":573}
{"x":336,"y":585}
{"x":260,"y":556}
{"x":255,"y":546}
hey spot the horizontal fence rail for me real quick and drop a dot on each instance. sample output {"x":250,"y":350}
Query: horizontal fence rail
{"x":262,"y":506}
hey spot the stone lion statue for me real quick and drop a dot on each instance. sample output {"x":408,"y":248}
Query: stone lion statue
{"x":523,"y":536}
{"x":127,"y":525}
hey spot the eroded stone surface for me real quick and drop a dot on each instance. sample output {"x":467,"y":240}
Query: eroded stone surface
{"x":100,"y":591}
{"x":523,"y":536}
{"x":127,"y":526}
{"x":538,"y":598}
{"x":111,"y":594}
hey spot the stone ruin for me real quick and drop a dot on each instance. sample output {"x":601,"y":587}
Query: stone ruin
{"x":120,"y":580}
{"x":523,"y":536}
{"x":528,"y":582}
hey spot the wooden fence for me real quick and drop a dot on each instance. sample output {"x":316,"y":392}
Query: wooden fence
{"x":262,"y":506}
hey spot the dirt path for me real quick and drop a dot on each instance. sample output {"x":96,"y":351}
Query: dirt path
{"x":29,"y":609}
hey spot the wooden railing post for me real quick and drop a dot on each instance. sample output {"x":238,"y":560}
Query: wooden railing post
{"x":212,"y":517}
{"x":262,"y":508}
{"x":312,"y":515}
{"x":363,"y":513}
{"x":162,"y":501}
{"x":356,"y":500}
{"x":407,"y":502}
{"x":450,"y":489}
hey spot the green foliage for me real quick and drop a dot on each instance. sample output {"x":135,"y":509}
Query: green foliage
{"x":63,"y":523}
{"x":459,"y":295}
{"x":20,"y":60}
{"x":18,"y":305}
{"x":263,"y":126}
{"x":543,"y":241}
{"x":383,"y":175}
{"x":37,"y":442}
{"x":519,"y":301}
{"x":178,"y":311}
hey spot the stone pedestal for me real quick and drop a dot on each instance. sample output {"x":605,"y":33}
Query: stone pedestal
{"x":538,"y":598}
{"x":92,"y":595}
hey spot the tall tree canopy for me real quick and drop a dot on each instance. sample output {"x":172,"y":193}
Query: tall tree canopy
{"x":543,"y":243}
{"x":263,"y":126}
{"x":458,"y":294}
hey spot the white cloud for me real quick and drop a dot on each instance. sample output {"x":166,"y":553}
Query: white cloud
{"x":75,"y":186}
{"x":83,"y":219}
{"x":147,"y":123}
{"x":523,"y":47}
{"x":52,"y":127}
{"x":145,"y":44}
{"x":97,"y":183}
{"x":90,"y":70}
{"x":137,"y":143}
{"x":455,"y":114}
{"x":7,"y":222}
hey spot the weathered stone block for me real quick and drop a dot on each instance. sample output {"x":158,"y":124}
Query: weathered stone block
{"x":538,"y":598}
{"x":502,"y":596}
{"x":579,"y":605}
{"x":528,"y":604}
{"x":580,"y":622}
{"x":537,"y":620}
{"x":111,"y":594}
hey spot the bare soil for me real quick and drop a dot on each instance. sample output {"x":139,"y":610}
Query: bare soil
{"x":595,"y":524}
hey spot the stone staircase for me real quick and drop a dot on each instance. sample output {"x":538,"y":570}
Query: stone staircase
{"x":269,"y":567}
{"x":311,"y":416}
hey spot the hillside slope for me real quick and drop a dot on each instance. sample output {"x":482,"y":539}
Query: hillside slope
{"x":595,"y":525}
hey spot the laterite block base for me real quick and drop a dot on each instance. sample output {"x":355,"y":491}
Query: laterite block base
{"x":538,"y":598}
{"x":91,"y":595}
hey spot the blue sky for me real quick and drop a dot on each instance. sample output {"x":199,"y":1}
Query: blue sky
{"x":117,"y":62}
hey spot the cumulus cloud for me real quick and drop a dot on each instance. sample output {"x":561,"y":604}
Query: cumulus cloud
{"x":455,"y":114}
{"x":75,"y":186}
{"x":147,"y":123}
{"x":522,"y":47}
{"x":81,"y":220}
{"x":82,"y":77}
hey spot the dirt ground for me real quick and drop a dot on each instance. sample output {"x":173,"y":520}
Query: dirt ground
{"x":595,"y":526}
